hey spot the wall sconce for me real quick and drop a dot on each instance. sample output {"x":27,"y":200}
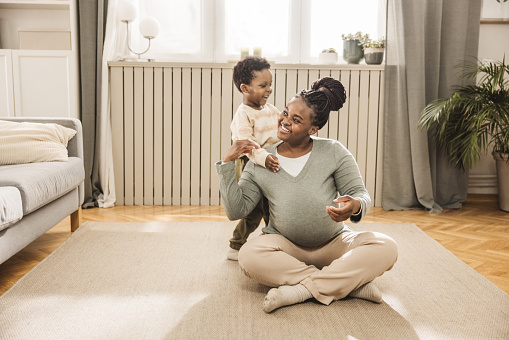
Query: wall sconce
{"x":149,"y":27}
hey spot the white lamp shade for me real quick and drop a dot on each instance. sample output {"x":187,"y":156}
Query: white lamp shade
{"x":149,"y":27}
{"x":126,"y":11}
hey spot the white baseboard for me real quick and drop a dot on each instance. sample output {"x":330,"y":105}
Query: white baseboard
{"x":482,"y":184}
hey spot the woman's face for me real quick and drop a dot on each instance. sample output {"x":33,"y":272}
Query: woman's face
{"x":295,"y":122}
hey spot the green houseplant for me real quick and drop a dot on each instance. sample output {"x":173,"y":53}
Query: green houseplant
{"x":352,"y":47}
{"x":474,"y":118}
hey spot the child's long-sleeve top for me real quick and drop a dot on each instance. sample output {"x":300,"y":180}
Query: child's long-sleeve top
{"x":260,"y":126}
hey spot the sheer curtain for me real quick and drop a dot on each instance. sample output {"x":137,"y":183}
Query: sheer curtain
{"x":425,"y":40}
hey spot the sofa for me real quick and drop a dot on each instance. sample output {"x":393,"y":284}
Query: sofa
{"x":36,"y":196}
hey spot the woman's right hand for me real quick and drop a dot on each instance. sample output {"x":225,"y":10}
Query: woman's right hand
{"x":239,"y":147}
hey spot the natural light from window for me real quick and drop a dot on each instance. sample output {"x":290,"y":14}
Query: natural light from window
{"x":287,"y":31}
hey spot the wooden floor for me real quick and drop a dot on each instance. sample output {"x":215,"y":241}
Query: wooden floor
{"x":478,"y":234}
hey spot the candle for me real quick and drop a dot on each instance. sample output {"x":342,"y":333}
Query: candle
{"x":244,"y":52}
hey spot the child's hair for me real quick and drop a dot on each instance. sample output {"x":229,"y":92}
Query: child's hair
{"x":243,"y":71}
{"x":326,"y":95}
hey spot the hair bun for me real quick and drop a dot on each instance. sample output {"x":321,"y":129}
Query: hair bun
{"x":333,"y":90}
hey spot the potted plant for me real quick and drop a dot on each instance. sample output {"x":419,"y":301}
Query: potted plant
{"x":352,"y":47}
{"x":474,"y":118}
{"x":328,"y":56}
{"x":373,"y":51}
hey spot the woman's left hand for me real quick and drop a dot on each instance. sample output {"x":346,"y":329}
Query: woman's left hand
{"x":351,"y":206}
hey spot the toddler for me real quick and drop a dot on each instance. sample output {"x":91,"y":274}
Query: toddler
{"x":256,"y":120}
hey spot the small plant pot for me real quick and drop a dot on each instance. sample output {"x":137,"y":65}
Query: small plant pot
{"x":374,"y":56}
{"x":503,"y":179}
{"x":352,"y":52}
{"x":328,"y":58}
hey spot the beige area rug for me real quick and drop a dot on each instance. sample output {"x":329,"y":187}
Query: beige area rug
{"x":172,"y":281}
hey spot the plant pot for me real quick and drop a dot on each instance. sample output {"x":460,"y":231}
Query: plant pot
{"x":374,"y":56}
{"x":328,"y":58}
{"x":352,"y":52}
{"x":503,"y":179}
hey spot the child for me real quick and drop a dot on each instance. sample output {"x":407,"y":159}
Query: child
{"x":256,"y":120}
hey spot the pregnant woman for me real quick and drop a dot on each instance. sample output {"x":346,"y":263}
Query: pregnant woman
{"x":307,"y":251}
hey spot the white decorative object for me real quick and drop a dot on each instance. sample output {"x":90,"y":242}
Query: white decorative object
{"x":328,"y":58}
{"x":149,"y":27}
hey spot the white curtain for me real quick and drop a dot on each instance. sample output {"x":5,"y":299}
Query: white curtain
{"x":114,"y":48}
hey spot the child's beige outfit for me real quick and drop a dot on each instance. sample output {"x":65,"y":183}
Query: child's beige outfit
{"x":261,"y":127}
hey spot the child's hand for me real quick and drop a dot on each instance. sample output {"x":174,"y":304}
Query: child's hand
{"x":272,"y":163}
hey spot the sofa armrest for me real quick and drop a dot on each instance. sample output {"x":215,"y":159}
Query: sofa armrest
{"x":75,"y":145}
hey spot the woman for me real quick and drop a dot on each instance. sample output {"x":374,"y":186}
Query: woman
{"x":306,"y":250}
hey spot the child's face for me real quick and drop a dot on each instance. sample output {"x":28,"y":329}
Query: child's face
{"x":257,"y":93}
{"x":295,"y":122}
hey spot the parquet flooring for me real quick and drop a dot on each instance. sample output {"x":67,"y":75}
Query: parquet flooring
{"x":478,"y":233}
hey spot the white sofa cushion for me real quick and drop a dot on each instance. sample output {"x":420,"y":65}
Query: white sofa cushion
{"x":11,"y":209}
{"x":41,"y":183}
{"x":33,"y":142}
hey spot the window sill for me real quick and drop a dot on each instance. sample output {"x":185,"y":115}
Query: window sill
{"x":274,"y":65}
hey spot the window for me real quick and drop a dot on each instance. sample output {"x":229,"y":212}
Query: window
{"x":291,"y":31}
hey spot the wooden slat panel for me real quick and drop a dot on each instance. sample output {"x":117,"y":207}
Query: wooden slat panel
{"x":380,"y":148}
{"x":280,"y":88}
{"x":362,"y":124}
{"x":215,"y":140}
{"x":177,"y":135}
{"x":186,"y":136}
{"x":176,"y":124}
{"x":372,"y":128}
{"x":237,"y":98}
{"x":158,"y":136}
{"x":291,"y":86}
{"x":138,"y":135}
{"x":148,"y":136}
{"x":128,"y":135}
{"x":117,"y":130}
{"x":312,"y":76}
{"x":168,"y":135}
{"x":195,"y":135}
{"x":353,"y":114}
{"x":334,"y":115}
{"x":206,"y":162}
{"x":302,"y":80}
{"x":226,"y":110}
{"x":344,"y":112}
{"x":324,"y":131}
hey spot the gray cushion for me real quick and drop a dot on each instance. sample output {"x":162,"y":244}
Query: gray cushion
{"x":41,"y":183}
{"x":11,"y":209}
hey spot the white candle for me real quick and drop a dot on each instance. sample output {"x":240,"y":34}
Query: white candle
{"x":244,"y":52}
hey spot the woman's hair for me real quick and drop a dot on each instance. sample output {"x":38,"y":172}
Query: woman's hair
{"x":243,"y":71}
{"x":326,"y":95}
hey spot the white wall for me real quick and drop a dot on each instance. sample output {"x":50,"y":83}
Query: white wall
{"x":493,"y":44}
